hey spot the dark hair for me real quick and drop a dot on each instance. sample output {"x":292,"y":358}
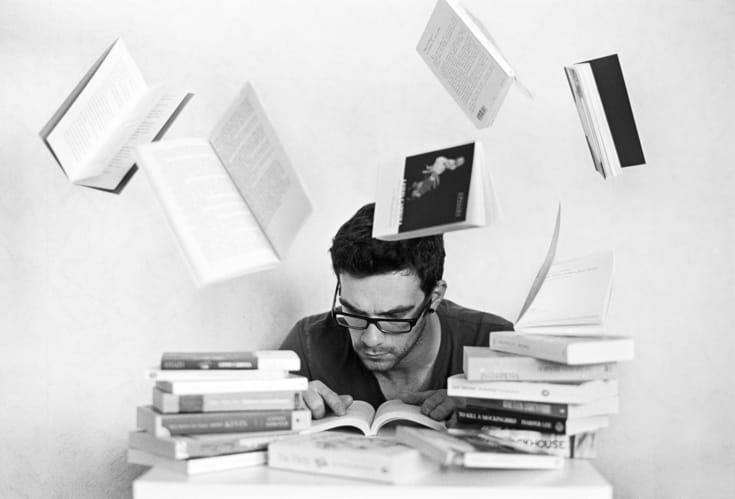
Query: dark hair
{"x":355,"y":252}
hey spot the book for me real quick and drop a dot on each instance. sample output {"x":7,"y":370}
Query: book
{"x":609,"y":405}
{"x":292,"y":382}
{"x":466,"y":60}
{"x":485,"y":364}
{"x":286,"y":360}
{"x":472,"y":451}
{"x":111,"y":110}
{"x":167,"y":425}
{"x":350,"y":455}
{"x":168,"y":403}
{"x":198,"y":465}
{"x":533,"y":391}
{"x":213,"y":374}
{"x":206,"y":445}
{"x":362,"y":416}
{"x":234,"y":202}
{"x":568,"y":297}
{"x":569,"y":350}
{"x":601,"y":97}
{"x":580,"y":446}
{"x":434,"y":192}
{"x":483,"y":416}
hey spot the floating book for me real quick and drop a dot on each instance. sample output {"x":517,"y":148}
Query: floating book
{"x":111,"y":110}
{"x":472,"y":451}
{"x":286,"y":360}
{"x":234,"y":201}
{"x":570,"y":350}
{"x":604,"y":109}
{"x":467,"y":62}
{"x":198,"y":465}
{"x":435,"y":192}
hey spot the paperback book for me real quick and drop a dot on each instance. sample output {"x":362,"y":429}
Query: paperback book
{"x":111,"y":110}
{"x":168,"y":403}
{"x":234,"y":202}
{"x":568,"y":350}
{"x":482,"y":416}
{"x":609,"y":405}
{"x":292,"y":382}
{"x":435,"y":192}
{"x":285,"y":360}
{"x":196,"y":466}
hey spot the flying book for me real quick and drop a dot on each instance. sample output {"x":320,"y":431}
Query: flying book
{"x":482,"y":416}
{"x":473,"y":451}
{"x":532,"y":391}
{"x":169,"y":403}
{"x":601,"y":97}
{"x":463,"y":56}
{"x":234,"y":201}
{"x":569,"y":350}
{"x":198,"y":465}
{"x":292,"y":382}
{"x":569,"y":297}
{"x":485,"y":364}
{"x":362,"y":416}
{"x":435,"y":192}
{"x":286,"y":360}
{"x":349,"y":455}
{"x":111,"y":110}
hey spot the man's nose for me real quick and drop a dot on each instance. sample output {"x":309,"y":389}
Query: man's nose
{"x":372,"y":336}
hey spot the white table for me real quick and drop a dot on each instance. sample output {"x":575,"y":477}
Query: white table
{"x":577,"y":480}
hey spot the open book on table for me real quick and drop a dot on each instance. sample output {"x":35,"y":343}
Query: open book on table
{"x":234,"y":201}
{"x":435,"y":192}
{"x":362,"y":416}
{"x":112,"y":109}
{"x":569,"y":297}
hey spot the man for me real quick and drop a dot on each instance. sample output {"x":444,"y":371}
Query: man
{"x":390,"y":333}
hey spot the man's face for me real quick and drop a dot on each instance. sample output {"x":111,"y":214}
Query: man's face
{"x":395,"y":295}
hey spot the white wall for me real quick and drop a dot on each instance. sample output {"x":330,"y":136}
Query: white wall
{"x":93,"y":289}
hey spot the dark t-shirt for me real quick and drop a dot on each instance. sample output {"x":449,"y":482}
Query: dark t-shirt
{"x":326,"y":350}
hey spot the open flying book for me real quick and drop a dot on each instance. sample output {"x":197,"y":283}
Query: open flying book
{"x":569,"y":297}
{"x":467,"y":62}
{"x":234,"y":201}
{"x":112,"y":109}
{"x":362,"y":416}
{"x":435,"y":192}
{"x":601,"y":97}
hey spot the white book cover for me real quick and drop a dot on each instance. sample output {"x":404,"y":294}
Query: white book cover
{"x":465,"y":59}
{"x":196,"y":466}
{"x":234,"y":202}
{"x":155,"y":374}
{"x":292,"y":382}
{"x":435,"y":192}
{"x":569,"y":350}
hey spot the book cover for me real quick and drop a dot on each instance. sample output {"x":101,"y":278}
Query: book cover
{"x":196,"y":466}
{"x":609,"y":405}
{"x":168,"y":403}
{"x":486,"y":364}
{"x":349,"y":455}
{"x":473,"y":451}
{"x":533,"y":391}
{"x":286,"y":360}
{"x":166,"y":425}
{"x":569,"y":350}
{"x":482,"y":416}
{"x":292,"y":382}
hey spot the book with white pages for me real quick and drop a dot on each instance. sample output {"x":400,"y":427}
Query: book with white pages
{"x":233,"y":201}
{"x":111,"y":110}
{"x":568,"y":350}
{"x":196,"y":466}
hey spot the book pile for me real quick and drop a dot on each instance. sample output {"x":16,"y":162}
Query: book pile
{"x":217,"y":411}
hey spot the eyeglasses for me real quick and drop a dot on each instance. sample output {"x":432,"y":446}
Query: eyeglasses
{"x":386,"y":326}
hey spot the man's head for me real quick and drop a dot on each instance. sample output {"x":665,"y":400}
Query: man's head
{"x":392,"y":280}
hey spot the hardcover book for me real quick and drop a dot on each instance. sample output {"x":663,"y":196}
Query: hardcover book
{"x":485,"y":364}
{"x":349,"y":455}
{"x":168,"y":403}
{"x":112,"y":109}
{"x":435,"y":192}
{"x":286,"y":360}
{"x":569,"y":350}
{"x":234,"y":202}
{"x":465,"y":59}
{"x":473,"y":451}
{"x":603,"y":105}
{"x":198,"y":465}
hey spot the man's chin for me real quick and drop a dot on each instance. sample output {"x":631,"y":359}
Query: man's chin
{"x":378,"y":364}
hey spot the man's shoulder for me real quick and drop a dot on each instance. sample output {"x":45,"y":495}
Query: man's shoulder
{"x":467,"y":319}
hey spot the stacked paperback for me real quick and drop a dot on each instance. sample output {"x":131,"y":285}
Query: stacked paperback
{"x":217,"y":411}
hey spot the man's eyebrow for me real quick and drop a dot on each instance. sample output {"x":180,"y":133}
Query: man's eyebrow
{"x":393,"y":312}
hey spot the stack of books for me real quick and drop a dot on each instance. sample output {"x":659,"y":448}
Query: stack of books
{"x":217,"y":411}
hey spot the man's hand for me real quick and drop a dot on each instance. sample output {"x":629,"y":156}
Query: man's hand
{"x":434,"y":403}
{"x":319,"y":397}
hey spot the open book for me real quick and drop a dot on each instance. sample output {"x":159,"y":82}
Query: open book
{"x":435,"y":192}
{"x":362,"y":416}
{"x":112,"y":109}
{"x":234,"y":201}
{"x":569,"y":297}
{"x":601,"y":97}
{"x":467,"y":62}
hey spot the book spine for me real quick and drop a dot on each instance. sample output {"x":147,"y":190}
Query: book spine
{"x":521,"y":406}
{"x":522,"y":346}
{"x":168,"y":403}
{"x":515,"y":421}
{"x":186,"y":387}
{"x":244,"y":422}
{"x":204,"y":363}
{"x":581,"y":445}
{"x":529,"y":369}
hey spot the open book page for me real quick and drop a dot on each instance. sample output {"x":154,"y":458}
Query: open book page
{"x":216,"y":230}
{"x":394,"y":410}
{"x":89,"y":123}
{"x":248,"y":147}
{"x":359,"y":415}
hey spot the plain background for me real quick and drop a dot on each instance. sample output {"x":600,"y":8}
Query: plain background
{"x":93,"y":287}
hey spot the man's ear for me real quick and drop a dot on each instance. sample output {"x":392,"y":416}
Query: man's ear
{"x":437,"y":294}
